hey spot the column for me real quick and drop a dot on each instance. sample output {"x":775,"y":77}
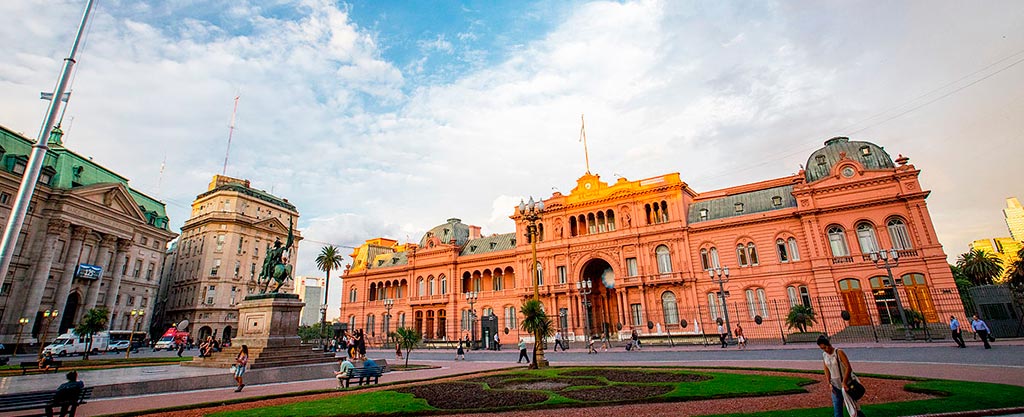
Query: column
{"x":105,"y":247}
{"x":78,"y":234}
{"x":120,"y":260}
{"x":54,"y":230}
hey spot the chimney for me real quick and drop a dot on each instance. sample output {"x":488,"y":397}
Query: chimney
{"x":474,"y":232}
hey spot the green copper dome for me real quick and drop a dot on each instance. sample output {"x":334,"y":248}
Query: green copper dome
{"x":820,"y":163}
{"x":452,"y":229}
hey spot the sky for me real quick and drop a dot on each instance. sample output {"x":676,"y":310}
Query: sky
{"x":385,"y":118}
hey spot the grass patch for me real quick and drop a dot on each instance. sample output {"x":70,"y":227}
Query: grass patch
{"x":954,"y":396}
{"x":104,"y":363}
{"x":369,"y":403}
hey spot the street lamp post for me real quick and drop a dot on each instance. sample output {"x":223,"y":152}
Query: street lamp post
{"x":720,"y":276}
{"x":136,"y":315}
{"x":388,"y":304}
{"x":531,"y":212}
{"x":21,"y":329}
{"x":48,"y":317}
{"x":471,"y":299}
{"x":585,"y":287}
{"x":323,"y":324}
{"x":888,"y":260}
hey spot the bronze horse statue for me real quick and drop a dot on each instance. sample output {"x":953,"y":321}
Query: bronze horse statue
{"x":275,"y":265}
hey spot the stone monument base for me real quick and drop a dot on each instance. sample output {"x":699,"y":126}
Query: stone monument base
{"x":268,"y":325}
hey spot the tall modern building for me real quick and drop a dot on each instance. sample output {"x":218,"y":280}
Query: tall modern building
{"x":311,"y":292}
{"x":1014,"y":215}
{"x":89,"y":240}
{"x":647,"y":248}
{"x":220,"y":253}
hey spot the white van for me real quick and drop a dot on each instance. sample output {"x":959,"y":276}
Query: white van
{"x":71,"y":344}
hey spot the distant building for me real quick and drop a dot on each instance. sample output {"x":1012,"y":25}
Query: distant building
{"x":310,"y":291}
{"x":1014,"y":215}
{"x":89,"y":240}
{"x":1003,"y":247}
{"x":220,"y":254}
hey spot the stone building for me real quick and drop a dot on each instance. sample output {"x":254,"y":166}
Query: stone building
{"x":311,"y":292}
{"x":220,"y":254}
{"x":647,"y":248}
{"x":89,"y":240}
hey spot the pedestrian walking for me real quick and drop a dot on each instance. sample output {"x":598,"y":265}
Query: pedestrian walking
{"x":981,"y":330}
{"x":954,"y":327}
{"x":497,"y":341}
{"x":741,"y":340}
{"x":522,"y":352}
{"x":590,"y":345}
{"x":460,"y":353}
{"x":398,"y":350}
{"x":844,"y":383}
{"x":722,"y":335}
{"x":558,"y":341}
{"x":241,"y":362}
{"x":634,"y":340}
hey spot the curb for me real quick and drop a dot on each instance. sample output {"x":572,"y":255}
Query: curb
{"x":977,"y":413}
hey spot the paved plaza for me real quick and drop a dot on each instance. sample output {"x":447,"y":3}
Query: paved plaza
{"x":1003,"y":364}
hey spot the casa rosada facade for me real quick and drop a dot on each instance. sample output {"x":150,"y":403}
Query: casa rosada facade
{"x":647,"y":247}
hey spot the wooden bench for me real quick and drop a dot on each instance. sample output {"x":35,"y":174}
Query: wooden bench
{"x":34,"y":366}
{"x":40,"y":400}
{"x":363,"y":376}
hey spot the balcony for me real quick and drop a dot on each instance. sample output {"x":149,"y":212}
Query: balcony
{"x":837,"y":260}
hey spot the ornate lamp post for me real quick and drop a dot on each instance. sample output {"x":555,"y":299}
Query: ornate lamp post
{"x":720,"y":276}
{"x":531,"y":212}
{"x":48,"y":317}
{"x":21,"y":329}
{"x":888,"y":260}
{"x":471,"y":299}
{"x":136,"y":315}
{"x":585,"y":287}
{"x":388,"y":304}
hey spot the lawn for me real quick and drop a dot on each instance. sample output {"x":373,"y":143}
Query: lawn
{"x":547,"y":388}
{"x":100,"y":362}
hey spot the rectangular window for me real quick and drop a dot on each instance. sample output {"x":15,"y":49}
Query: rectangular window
{"x":234,"y":294}
{"x":149,"y":271}
{"x":131,"y":301}
{"x":138,"y":268}
{"x":793,"y":253}
{"x":5,"y":289}
{"x":252,"y":272}
{"x":220,"y":242}
{"x":143,"y":302}
{"x":216,"y":267}
{"x":239,"y":245}
{"x":637,"y":314}
{"x":563,"y":318}
{"x":238,"y":268}
{"x":5,"y":198}
{"x":211,"y":294}
{"x":631,"y":269}
{"x":562,"y":275}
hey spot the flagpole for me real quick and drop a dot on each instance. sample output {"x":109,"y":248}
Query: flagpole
{"x":35,"y":161}
{"x":583,"y":137}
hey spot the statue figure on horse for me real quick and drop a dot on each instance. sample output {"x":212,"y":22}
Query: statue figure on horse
{"x":275,"y":265}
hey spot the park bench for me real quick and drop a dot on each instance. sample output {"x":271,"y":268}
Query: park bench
{"x":364,"y":375}
{"x":34,"y":366}
{"x":39,"y":400}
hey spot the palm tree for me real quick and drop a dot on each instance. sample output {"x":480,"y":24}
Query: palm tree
{"x":1016,"y":270}
{"x":95,"y":321}
{"x":328,"y":260}
{"x":801,"y":317}
{"x":537,"y":323}
{"x":407,"y":339}
{"x":980,"y":266}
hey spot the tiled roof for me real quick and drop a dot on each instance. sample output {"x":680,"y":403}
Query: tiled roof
{"x":452,"y":229}
{"x":396,"y":259}
{"x":753,"y":202}
{"x":866,"y":153}
{"x":490,"y":244}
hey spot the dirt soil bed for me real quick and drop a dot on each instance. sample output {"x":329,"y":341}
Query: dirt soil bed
{"x":461,"y":395}
{"x":624,"y":375}
{"x":617,"y":393}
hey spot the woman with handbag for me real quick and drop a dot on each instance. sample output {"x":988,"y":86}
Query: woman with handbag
{"x":241,"y":362}
{"x":846,"y":387}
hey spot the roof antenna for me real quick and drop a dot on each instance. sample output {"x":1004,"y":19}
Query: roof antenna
{"x":231,"y":132}
{"x":583,"y":138}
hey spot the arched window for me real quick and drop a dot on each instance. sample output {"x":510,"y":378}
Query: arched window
{"x":601,"y":223}
{"x":794,"y":253}
{"x":713,"y":252}
{"x":798,"y":295}
{"x":610,"y":216}
{"x":591,"y":223}
{"x":664,"y":212}
{"x":582,"y":220}
{"x":782,"y":250}
{"x":757,"y":302}
{"x":669,"y":310}
{"x":444,"y":285}
{"x":370,"y":322}
{"x":714,"y":306}
{"x":540,"y":232}
{"x":741,"y":254}
{"x":866,"y":237}
{"x":510,"y":318}
{"x":540,"y":274}
{"x":752,"y":254}
{"x":572,"y":226}
{"x":837,"y":241}
{"x":664,"y":259}
{"x":401,"y":320}
{"x":496,"y":282}
{"x":704,"y":263}
{"x":352,"y":321}
{"x":898,"y":234}
{"x":477,"y":282}
{"x":465,"y":320}
{"x":432,"y":288}
{"x":421,"y":287}
{"x":647,"y":211}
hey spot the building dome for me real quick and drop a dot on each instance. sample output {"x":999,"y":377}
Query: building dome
{"x":452,"y":229}
{"x":820,"y":163}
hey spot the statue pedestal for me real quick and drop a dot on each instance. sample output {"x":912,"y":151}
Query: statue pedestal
{"x":268,"y":325}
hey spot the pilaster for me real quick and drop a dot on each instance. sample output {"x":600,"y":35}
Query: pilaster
{"x":121,"y":258}
{"x":105,"y":247}
{"x":54,"y":230}
{"x":78,"y":234}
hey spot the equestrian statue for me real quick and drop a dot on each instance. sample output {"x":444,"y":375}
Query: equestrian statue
{"x":275,"y":265}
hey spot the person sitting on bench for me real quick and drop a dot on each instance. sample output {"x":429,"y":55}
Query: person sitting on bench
{"x":345,"y":372}
{"x":66,"y":396}
{"x":46,"y":362}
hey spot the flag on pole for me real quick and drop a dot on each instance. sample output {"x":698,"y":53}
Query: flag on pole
{"x":49,"y":96}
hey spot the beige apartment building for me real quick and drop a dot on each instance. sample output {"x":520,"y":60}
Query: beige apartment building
{"x":220,"y":253}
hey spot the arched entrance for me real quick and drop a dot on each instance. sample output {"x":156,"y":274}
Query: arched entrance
{"x":226,"y":334}
{"x":603,"y":311}
{"x":67,"y":319}
{"x":205,"y":332}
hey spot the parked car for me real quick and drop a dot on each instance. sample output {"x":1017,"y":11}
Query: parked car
{"x":119,"y":346}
